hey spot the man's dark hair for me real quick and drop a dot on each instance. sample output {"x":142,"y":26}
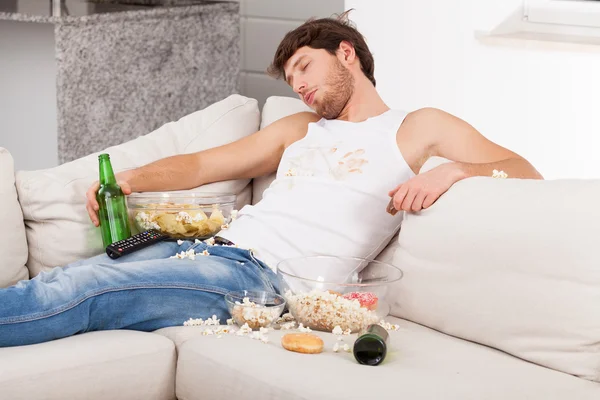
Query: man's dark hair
{"x":327,"y":34}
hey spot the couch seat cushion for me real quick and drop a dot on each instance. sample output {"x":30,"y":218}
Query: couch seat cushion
{"x":421,"y":364}
{"x":96,"y":365}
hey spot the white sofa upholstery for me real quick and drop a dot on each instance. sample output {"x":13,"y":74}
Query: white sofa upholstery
{"x":423,"y":364}
{"x":13,"y":251}
{"x":499,"y":300}
{"x":96,"y":365}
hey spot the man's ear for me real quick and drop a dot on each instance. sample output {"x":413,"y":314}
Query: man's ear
{"x":346,"y":52}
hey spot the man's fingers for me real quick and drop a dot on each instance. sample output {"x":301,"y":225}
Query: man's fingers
{"x":429,"y":200}
{"x":409,"y":198}
{"x":91,"y":196}
{"x":399,"y":197}
{"x":92,"y":205}
{"x":417,"y":204}
{"x":392,"y":192}
{"x":92,"y":214}
{"x":125,"y":188}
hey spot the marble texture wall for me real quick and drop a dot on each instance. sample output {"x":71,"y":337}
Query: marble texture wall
{"x":125,"y":74}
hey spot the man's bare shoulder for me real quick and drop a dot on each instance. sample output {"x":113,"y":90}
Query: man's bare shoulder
{"x":295,"y":126}
{"x":422,"y":119}
{"x":414,"y":136}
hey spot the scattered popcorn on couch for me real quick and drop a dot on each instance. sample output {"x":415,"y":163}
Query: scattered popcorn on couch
{"x":388,"y":326}
{"x":200,"y":322}
{"x":262,"y":333}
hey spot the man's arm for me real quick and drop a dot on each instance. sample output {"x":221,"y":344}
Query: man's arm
{"x":436,"y":133}
{"x":252,"y":156}
{"x":474,"y":155}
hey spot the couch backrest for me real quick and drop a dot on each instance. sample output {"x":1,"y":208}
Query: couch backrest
{"x":53,"y":200}
{"x":13,"y":244}
{"x":512,"y":264}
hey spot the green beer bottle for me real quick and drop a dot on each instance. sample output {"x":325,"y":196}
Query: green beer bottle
{"x":370,"y":347}
{"x":114,"y":221}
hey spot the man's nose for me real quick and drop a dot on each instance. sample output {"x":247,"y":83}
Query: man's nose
{"x":300,"y":88}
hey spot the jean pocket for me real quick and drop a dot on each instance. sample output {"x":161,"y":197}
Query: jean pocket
{"x":261,"y":271}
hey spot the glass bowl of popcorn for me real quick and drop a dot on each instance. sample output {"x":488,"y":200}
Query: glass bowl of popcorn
{"x":323,"y":292}
{"x":258,"y":309}
{"x":181,"y":214}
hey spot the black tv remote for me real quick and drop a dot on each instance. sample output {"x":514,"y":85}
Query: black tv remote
{"x":134,"y":243}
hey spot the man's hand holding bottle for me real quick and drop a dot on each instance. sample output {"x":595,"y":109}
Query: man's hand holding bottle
{"x":106,"y":204}
{"x":92,"y":203}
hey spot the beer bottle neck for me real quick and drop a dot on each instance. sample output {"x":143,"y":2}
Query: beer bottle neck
{"x":107,"y":176}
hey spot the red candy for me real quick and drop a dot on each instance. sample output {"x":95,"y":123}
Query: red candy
{"x":366,"y":299}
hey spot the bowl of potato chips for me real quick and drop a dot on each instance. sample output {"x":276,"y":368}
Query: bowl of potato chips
{"x":181,"y":214}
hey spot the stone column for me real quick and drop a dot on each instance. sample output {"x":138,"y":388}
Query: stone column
{"x":122,"y":75}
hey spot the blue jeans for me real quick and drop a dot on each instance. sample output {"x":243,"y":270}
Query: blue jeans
{"x":144,"y":291}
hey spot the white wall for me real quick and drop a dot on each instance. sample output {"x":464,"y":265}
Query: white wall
{"x":28,"y":122}
{"x":264,"y":24}
{"x":541,"y":102}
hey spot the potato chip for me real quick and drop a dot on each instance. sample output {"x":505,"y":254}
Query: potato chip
{"x":178,"y":223}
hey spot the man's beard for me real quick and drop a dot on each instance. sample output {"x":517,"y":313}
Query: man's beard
{"x":341,"y":87}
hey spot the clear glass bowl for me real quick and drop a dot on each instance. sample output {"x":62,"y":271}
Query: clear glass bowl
{"x":323,"y":292}
{"x":258,"y":309}
{"x":181,"y":214}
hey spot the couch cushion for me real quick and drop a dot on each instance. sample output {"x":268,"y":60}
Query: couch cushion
{"x":421,"y":364}
{"x":512,"y":264}
{"x":97,"y":365}
{"x":58,"y":228}
{"x":13,"y":243}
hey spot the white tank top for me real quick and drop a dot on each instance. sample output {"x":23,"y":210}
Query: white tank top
{"x":330,"y":194}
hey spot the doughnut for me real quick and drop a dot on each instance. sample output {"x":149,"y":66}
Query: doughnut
{"x":366,"y":299}
{"x":306,"y":343}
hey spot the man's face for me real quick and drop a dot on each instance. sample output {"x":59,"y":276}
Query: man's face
{"x":321,"y":81}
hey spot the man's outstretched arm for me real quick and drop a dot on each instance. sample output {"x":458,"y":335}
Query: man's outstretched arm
{"x":252,"y":156}
{"x":474,"y":155}
{"x":444,"y":135}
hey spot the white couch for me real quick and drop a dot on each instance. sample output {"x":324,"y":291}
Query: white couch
{"x":500,"y":298}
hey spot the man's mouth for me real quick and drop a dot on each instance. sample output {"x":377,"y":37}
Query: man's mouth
{"x":310,"y":97}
